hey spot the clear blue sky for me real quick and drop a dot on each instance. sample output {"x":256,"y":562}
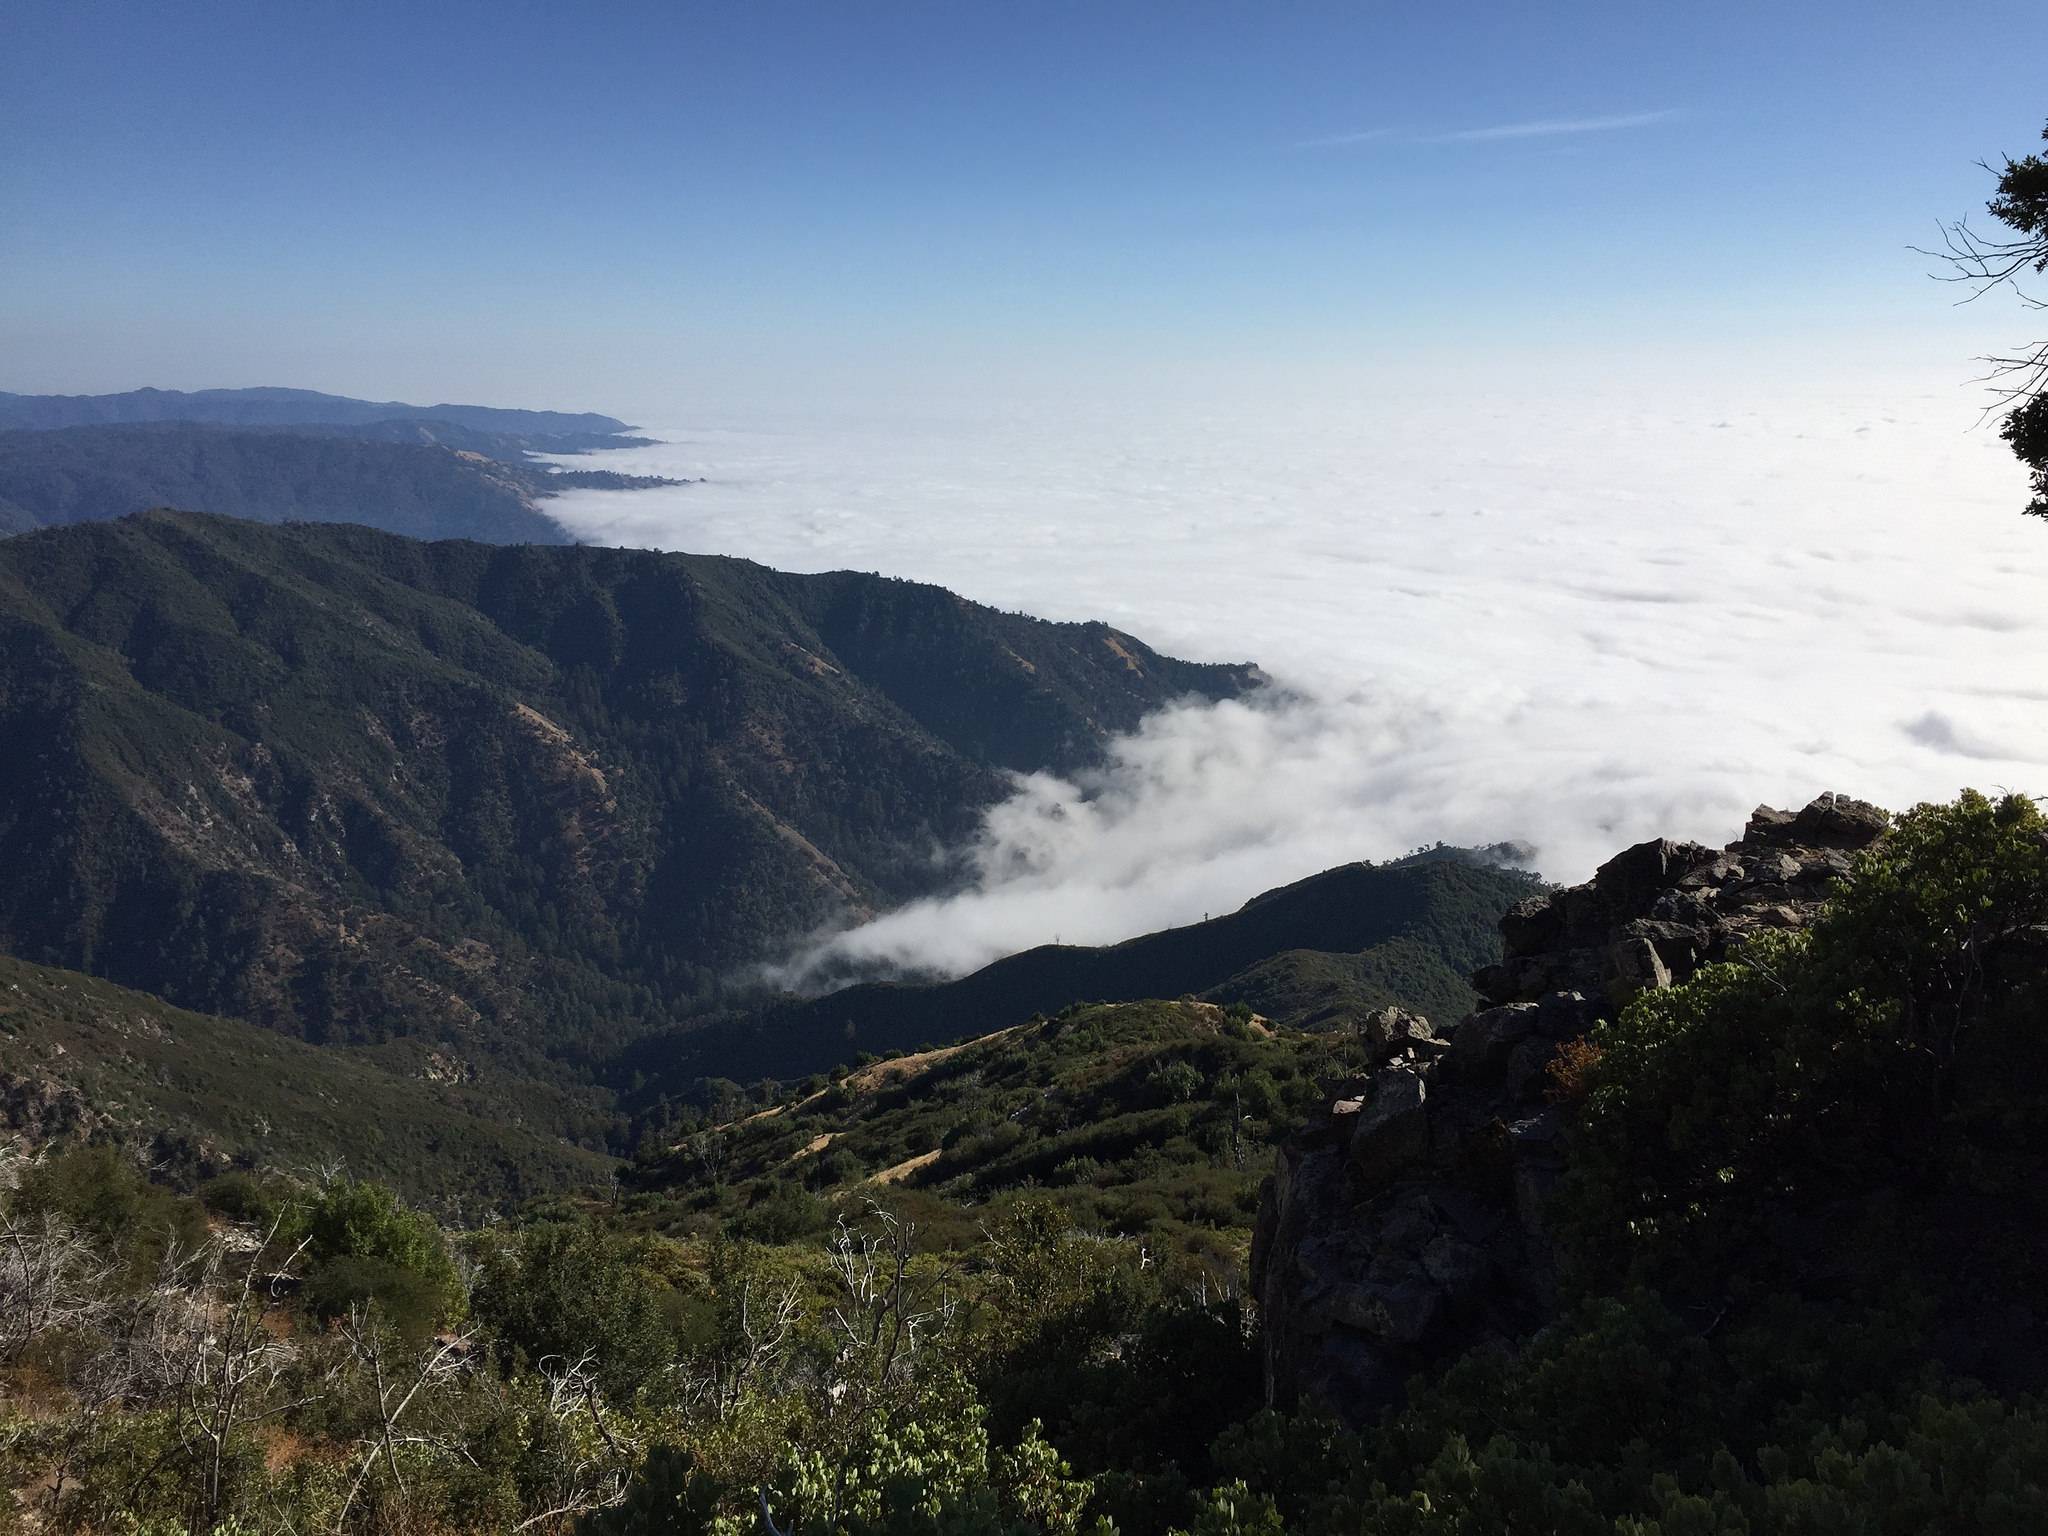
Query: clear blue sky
{"x":611,"y":205}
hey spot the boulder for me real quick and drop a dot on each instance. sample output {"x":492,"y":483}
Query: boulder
{"x":1393,"y":1028}
{"x":1392,"y":1232}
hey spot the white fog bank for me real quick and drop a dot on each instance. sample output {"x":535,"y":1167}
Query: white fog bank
{"x":1576,"y":618}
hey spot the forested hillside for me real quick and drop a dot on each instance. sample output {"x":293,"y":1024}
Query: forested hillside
{"x":352,"y":786}
{"x":1324,"y":950}
{"x":194,"y":1097}
{"x":1151,"y":1120}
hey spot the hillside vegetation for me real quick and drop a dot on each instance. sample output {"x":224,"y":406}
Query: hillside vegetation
{"x":508,"y":800}
{"x":791,"y":1305}
{"x":1150,"y":1120}
{"x":195,"y":1097}
{"x":1799,"y":1245}
{"x":1325,"y":950}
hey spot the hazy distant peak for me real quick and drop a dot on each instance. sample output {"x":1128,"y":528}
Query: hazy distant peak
{"x":272,"y":406}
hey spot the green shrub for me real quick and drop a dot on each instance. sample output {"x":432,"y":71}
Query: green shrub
{"x":568,"y":1292}
{"x":364,"y":1247}
{"x":1892,"y":1049}
{"x":97,"y":1189}
{"x":669,"y":1497}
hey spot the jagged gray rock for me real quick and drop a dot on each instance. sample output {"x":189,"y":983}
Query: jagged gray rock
{"x":1654,"y":914}
{"x":1405,"y":1223}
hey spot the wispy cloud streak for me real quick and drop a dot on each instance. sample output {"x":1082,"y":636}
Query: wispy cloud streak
{"x":1540,"y":128}
{"x":1554,"y":127}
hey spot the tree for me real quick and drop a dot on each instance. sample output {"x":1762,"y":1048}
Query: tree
{"x":1984,"y":263}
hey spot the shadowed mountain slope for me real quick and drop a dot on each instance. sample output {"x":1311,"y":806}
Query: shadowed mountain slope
{"x":195,"y":1095}
{"x":1336,"y":945}
{"x":353,"y":786}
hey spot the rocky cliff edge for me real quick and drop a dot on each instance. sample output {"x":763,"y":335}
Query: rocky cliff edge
{"x":1403,"y":1224}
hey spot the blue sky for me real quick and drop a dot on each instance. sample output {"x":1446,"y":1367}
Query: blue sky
{"x":619,"y":205}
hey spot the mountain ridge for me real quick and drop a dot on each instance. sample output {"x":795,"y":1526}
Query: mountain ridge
{"x":1323,"y":950}
{"x":54,"y":477}
{"x":272,"y":405}
{"x":537,"y":798}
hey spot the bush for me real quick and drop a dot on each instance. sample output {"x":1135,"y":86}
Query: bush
{"x":1891,"y":1051}
{"x":568,"y":1292}
{"x":669,"y":1497}
{"x":97,"y":1190}
{"x":243,"y":1197}
{"x":780,"y":1212}
{"x":364,"y":1247}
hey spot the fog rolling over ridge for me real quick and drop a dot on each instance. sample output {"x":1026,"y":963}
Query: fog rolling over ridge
{"x":1574,"y":617}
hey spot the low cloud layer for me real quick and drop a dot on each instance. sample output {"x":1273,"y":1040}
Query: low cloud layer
{"x":1577,"y":619}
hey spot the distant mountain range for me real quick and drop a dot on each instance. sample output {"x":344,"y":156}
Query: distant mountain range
{"x":284,"y":455}
{"x":88,"y":474}
{"x":521,"y":448}
{"x":281,"y":407}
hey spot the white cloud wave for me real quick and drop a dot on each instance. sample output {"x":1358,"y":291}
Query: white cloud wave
{"x":1578,"y":617}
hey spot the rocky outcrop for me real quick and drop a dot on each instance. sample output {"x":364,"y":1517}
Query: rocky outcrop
{"x":1651,"y":916}
{"x":1404,"y":1223}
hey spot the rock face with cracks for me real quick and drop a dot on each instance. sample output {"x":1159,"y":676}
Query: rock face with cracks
{"x":1404,"y":1223}
{"x":1654,"y":914}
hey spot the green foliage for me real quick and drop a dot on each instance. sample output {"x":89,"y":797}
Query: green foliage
{"x":99,"y":1191}
{"x":1129,"y":1376}
{"x":1142,"y":1118}
{"x":1824,"y":1079}
{"x":245,"y":1198}
{"x":363,"y":1246}
{"x":211,"y":1099}
{"x":1930,"y":1464}
{"x":780,"y":1211}
{"x":569,"y":1294}
{"x":1917,"y":934}
{"x":669,"y":1497}
{"x":924,"y":1468}
{"x":2021,"y":204}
